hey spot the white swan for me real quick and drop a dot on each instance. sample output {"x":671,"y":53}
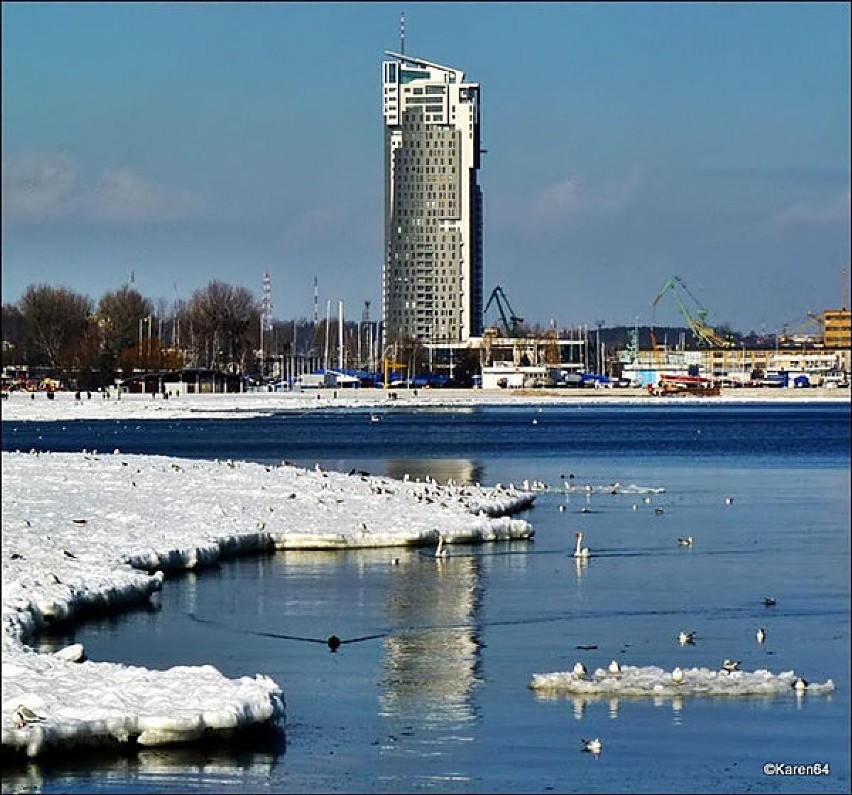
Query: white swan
{"x":581,"y":551}
{"x":677,"y":676}
{"x":592,"y":746}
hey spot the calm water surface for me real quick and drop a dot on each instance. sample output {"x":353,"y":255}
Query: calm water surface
{"x":432,"y":693}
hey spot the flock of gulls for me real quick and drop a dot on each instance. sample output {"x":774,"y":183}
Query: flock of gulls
{"x":727,"y":679}
{"x":455,"y":500}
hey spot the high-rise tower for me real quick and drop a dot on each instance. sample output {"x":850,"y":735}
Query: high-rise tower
{"x":432,"y":275}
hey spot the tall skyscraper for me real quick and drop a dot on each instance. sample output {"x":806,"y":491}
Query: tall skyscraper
{"x":432,"y":276}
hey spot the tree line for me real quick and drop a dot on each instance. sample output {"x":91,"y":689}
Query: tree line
{"x":219,"y":327}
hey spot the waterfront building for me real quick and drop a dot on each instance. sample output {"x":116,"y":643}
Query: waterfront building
{"x":432,"y":277}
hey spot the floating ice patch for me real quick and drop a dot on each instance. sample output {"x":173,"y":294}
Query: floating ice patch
{"x":654,"y":681}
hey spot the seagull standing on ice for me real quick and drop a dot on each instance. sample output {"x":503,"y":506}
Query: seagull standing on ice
{"x":581,"y":551}
{"x":580,"y":670}
{"x":23,"y":716}
{"x":614,"y":668}
{"x":677,"y":676}
{"x":730,"y":665}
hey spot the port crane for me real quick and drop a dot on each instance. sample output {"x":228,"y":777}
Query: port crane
{"x":695,"y":318}
{"x":512,"y":323}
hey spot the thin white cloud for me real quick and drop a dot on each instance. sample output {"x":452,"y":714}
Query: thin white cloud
{"x":574,"y":196}
{"x":123,"y":195}
{"x":801,"y":213}
{"x":38,"y":187}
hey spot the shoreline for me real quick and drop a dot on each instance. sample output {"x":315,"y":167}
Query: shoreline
{"x":22,"y":406}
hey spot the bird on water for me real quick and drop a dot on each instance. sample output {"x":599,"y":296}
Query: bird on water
{"x":592,"y":746}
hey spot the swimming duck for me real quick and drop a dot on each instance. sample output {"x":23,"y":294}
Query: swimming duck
{"x":685,"y":541}
{"x":760,"y":635}
{"x":685,"y":638}
{"x":799,"y":685}
{"x":333,"y":642}
{"x":581,"y":551}
{"x":769,"y":601}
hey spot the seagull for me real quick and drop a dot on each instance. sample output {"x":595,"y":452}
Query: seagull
{"x":677,"y":676}
{"x":769,"y":601}
{"x":686,"y":541}
{"x":592,"y":746}
{"x":760,"y":635}
{"x":614,"y":667}
{"x":441,"y":551}
{"x":686,"y":638}
{"x":581,"y":551}
{"x":730,"y":665}
{"x":800,"y":685}
{"x":579,"y":670}
{"x":23,"y":716}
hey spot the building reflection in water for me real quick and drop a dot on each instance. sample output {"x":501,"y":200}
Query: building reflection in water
{"x":432,"y":666}
{"x":460,"y":470}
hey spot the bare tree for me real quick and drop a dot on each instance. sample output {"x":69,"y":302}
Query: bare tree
{"x":119,"y":314}
{"x":13,"y":335}
{"x":58,"y":326}
{"x":223,"y":323}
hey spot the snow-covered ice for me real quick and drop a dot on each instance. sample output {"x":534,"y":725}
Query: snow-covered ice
{"x":653,"y":681}
{"x":100,"y":528}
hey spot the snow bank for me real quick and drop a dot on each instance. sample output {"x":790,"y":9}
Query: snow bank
{"x":82,"y":530}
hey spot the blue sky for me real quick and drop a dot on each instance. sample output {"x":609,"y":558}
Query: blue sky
{"x":627,"y":143}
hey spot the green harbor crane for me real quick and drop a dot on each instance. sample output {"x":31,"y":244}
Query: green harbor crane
{"x":696,"y":319}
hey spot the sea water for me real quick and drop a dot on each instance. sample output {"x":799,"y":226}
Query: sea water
{"x":430,"y":690}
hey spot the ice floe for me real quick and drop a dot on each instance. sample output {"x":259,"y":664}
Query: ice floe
{"x":653,"y":681}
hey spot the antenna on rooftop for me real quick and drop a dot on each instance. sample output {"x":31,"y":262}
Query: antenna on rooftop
{"x":402,"y":32}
